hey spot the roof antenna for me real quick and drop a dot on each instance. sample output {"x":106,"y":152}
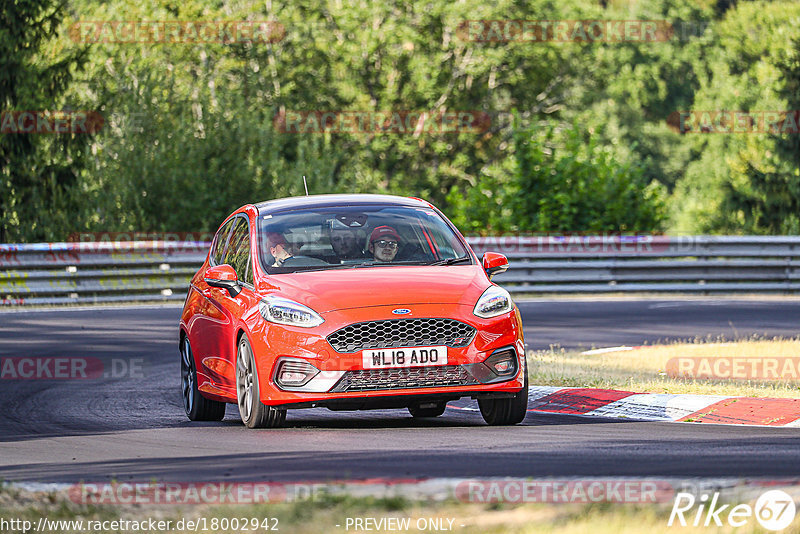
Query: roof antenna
{"x":305,"y":184}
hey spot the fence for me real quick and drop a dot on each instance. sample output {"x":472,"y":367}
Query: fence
{"x":60,"y":273}
{"x":57,"y":273}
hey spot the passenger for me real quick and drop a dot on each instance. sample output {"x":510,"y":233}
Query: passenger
{"x":345,"y":243}
{"x":383,"y":243}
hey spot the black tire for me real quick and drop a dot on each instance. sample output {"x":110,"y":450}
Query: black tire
{"x":509,"y":411}
{"x":253,"y":412}
{"x":435,"y":411}
{"x":197,"y":407}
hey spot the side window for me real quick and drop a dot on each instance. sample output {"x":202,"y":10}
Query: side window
{"x":238,"y":252}
{"x":244,"y":264}
{"x":219,"y":243}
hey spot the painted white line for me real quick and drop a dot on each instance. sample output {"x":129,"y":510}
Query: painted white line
{"x":607,"y":349}
{"x":683,"y":405}
{"x":648,"y":406}
{"x":538,"y":392}
{"x":534,"y":393}
{"x":99,"y":307}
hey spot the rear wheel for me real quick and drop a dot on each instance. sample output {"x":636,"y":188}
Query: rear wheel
{"x":254,"y":413}
{"x":197,"y":407}
{"x":509,"y":411}
{"x":428,"y":411}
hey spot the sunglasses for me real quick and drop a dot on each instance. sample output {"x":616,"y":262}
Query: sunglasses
{"x":385,"y":244}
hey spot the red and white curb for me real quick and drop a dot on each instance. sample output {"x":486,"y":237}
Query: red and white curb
{"x":714,"y":409}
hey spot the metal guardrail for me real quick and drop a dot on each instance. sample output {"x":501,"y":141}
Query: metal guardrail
{"x":128,"y":271}
{"x":58,"y":273}
{"x":612,"y":264}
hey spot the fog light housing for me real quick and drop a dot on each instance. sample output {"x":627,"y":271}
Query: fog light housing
{"x":503,"y":362}
{"x":502,"y":367}
{"x":294,"y":373}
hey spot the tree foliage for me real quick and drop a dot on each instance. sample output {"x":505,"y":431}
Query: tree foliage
{"x":190,"y":131}
{"x":745,"y":182}
{"x":38,"y":173}
{"x":564,"y":183}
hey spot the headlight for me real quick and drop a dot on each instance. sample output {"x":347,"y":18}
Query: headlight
{"x":284,"y":311}
{"x":494,"y":301}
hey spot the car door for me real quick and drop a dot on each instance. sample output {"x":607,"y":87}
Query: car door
{"x":210,"y":322}
{"x":238,"y":256}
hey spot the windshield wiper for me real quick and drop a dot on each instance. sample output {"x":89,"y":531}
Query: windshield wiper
{"x":449,"y":261}
{"x":452,"y":261}
{"x":390,"y":263}
{"x":327,"y":268}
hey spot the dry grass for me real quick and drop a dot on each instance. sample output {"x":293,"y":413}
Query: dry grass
{"x":330,"y":513}
{"x":644,"y":369}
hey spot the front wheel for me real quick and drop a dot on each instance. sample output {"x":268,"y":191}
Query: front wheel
{"x":509,"y":411}
{"x":197,"y":407}
{"x":254,"y":413}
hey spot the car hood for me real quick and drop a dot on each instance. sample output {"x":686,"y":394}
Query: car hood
{"x":340,"y":289}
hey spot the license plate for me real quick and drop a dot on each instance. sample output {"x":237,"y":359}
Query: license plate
{"x":404,"y":357}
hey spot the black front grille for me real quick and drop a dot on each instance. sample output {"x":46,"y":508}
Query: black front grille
{"x":401,"y":333}
{"x":405,"y":378}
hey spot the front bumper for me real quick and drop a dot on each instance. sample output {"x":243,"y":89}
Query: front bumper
{"x":342,"y":379}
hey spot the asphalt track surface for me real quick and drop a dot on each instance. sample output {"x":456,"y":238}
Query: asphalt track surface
{"x":134,"y":429}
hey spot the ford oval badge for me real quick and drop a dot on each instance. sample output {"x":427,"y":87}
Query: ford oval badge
{"x":401,"y":311}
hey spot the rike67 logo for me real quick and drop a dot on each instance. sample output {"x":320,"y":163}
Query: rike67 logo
{"x":774,"y":510}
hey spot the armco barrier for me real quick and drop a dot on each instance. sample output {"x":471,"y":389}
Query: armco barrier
{"x":57,"y":273}
{"x":610,"y":264}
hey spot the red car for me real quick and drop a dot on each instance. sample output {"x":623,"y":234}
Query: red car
{"x":349,"y":302}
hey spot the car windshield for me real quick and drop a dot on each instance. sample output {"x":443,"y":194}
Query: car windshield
{"x":356,"y":237}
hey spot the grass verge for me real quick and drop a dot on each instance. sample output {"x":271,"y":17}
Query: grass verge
{"x":644,"y":369}
{"x":330,"y":513}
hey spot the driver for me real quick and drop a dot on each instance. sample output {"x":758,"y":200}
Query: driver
{"x":279,"y":248}
{"x":383,"y":243}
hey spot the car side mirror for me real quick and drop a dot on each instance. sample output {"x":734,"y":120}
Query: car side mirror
{"x":494,"y":263}
{"x":223,"y":276}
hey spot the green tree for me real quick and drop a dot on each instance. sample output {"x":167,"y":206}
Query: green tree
{"x":564,"y":183}
{"x":37,"y":172}
{"x":744,"y":182}
{"x":769,"y":198}
{"x":190,"y":132}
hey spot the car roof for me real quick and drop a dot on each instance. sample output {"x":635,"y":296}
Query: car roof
{"x":326,"y":201}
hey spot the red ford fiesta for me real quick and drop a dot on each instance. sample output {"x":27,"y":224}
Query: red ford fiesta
{"x":348,"y":302}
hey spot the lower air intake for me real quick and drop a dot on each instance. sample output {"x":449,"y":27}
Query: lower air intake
{"x":406,"y":378}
